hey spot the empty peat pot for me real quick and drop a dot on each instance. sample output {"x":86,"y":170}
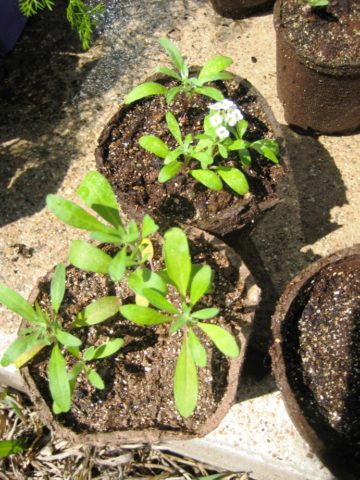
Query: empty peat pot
{"x":12,"y":22}
{"x":240,"y":8}
{"x":316,"y":358}
{"x":318,"y":65}
{"x":133,"y":172}
{"x":137,"y":403}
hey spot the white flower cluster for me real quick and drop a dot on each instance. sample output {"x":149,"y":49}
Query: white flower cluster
{"x":227,"y":115}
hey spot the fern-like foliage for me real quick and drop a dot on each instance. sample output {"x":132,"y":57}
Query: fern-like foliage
{"x":83,"y":18}
{"x":30,"y":7}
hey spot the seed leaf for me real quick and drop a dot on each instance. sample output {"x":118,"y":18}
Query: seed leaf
{"x":154,"y":145}
{"x":95,"y":379}
{"x":208,"y":178}
{"x":177,"y":259}
{"x":143,"y":315}
{"x":235,"y":179}
{"x":88,"y":257}
{"x":98,"y":311}
{"x":185,"y":381}
{"x":57,"y":287}
{"x":223,"y":340}
{"x":19,"y":347}
{"x":198,"y":352}
{"x":200,"y":284}
{"x":17,"y":304}
{"x":145,"y":90}
{"x":58,"y":380}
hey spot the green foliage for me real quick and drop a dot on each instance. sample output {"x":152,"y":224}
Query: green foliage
{"x":213,"y":70}
{"x":317,"y":3}
{"x":31,"y":7}
{"x":11,"y":447}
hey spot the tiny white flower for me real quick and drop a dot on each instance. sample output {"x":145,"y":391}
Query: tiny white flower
{"x":216,"y":120}
{"x":233,"y":117}
{"x":222,"y":132}
{"x":216,"y":106}
{"x":227,"y":104}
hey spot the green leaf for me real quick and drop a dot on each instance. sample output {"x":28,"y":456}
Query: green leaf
{"x":97,"y":193}
{"x":88,"y":257}
{"x":245,"y":157}
{"x":58,"y":380}
{"x":148,"y":226}
{"x":169,"y":171}
{"x":143,"y":315}
{"x":67,"y":339}
{"x":20,"y":346}
{"x":73,"y":375}
{"x":214,"y":65}
{"x":267,"y":148}
{"x":144,"y":278}
{"x":73,"y":215}
{"x":208,"y":178}
{"x":238,"y":145}
{"x":205,"y":313}
{"x":174,"y":127}
{"x":211,"y":92}
{"x":154,"y":145}
{"x":235,"y":179}
{"x":107,"y":349}
{"x":177,"y":324}
{"x":223,"y":340}
{"x":95,"y":379}
{"x":17,"y":304}
{"x":115,"y":237}
{"x":132,"y":232}
{"x":241,"y":127}
{"x":145,"y":90}
{"x":98,"y":311}
{"x":185,"y":381}
{"x":205,"y":158}
{"x":167,"y":71}
{"x":171,"y":94}
{"x":159,"y":301}
{"x":173,"y":155}
{"x":215,"y":76}
{"x":177,"y":258}
{"x":57,"y":287}
{"x":11,"y":447}
{"x":223,"y":151}
{"x":200,"y":284}
{"x":175,"y":56}
{"x":118,"y":265}
{"x":198,"y":352}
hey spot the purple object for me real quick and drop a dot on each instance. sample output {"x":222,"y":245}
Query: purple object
{"x":12,"y":22}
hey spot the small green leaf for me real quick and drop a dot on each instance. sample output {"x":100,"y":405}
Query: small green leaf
{"x":171,"y":94}
{"x":143,"y":315}
{"x":208,"y":178}
{"x":238,"y":145}
{"x":245,"y":157}
{"x":235,"y":179}
{"x":174,"y":127}
{"x":58,"y":380}
{"x":200,"y":284}
{"x":175,"y":56}
{"x":115,"y":237}
{"x":88,"y":257}
{"x":95,"y":379}
{"x":211,"y":92}
{"x":159,"y":301}
{"x":98,"y":311}
{"x":67,"y":339}
{"x":177,"y":258}
{"x":144,"y":278}
{"x":169,"y":171}
{"x":177,"y":324}
{"x":107,"y":349}
{"x":198,"y":352}
{"x":11,"y":447}
{"x":73,"y":375}
{"x":118,"y":265}
{"x":215,"y":76}
{"x":132,"y":232}
{"x":167,"y":71}
{"x":223,"y":340}
{"x":214,"y":65}
{"x":145,"y":90}
{"x":20,"y":346}
{"x":185,"y":381}
{"x":205,"y":313}
{"x":97,"y":193}
{"x":148,"y":226}
{"x":57,"y":287}
{"x":17,"y":304}
{"x":173,"y":155}
{"x":154,"y":145}
{"x":267,"y":148}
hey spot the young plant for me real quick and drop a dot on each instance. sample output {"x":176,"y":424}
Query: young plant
{"x":224,"y":130}
{"x":212,"y":71}
{"x":191,"y":282}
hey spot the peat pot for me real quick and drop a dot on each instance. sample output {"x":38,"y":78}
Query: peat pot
{"x":240,"y":8}
{"x":132,"y":171}
{"x":316,"y":358}
{"x":318,"y":65}
{"x":12,"y":22}
{"x":137,"y":403}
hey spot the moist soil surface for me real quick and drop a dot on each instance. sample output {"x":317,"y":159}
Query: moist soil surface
{"x":133,"y":172}
{"x":139,"y":378}
{"x":322,"y":351}
{"x":325,"y":36}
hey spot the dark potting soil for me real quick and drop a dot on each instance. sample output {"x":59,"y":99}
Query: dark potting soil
{"x":322,"y":351}
{"x":139,"y":378}
{"x":133,"y":172}
{"x":325,"y":36}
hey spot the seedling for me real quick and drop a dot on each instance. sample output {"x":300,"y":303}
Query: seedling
{"x":224,"y":130}
{"x":191,"y":283}
{"x":212,"y":71}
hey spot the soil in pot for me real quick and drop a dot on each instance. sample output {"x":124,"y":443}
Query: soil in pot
{"x":139,"y":379}
{"x":133,"y":172}
{"x":240,"y":8}
{"x":320,"y":344}
{"x":318,"y":64}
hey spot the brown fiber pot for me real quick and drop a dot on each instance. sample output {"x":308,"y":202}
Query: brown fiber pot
{"x":309,"y":411}
{"x":317,"y":98}
{"x":229,"y":217}
{"x":242,"y":287}
{"x":240,"y":8}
